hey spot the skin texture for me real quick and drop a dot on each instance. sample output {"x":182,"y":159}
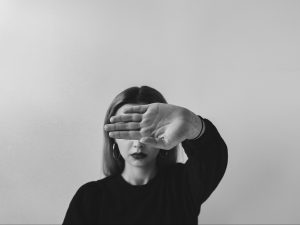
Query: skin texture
{"x":149,"y":123}
{"x":137,"y":172}
{"x":128,"y":147}
{"x":147,"y":129}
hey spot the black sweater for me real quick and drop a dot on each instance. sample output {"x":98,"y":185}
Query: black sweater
{"x":173,"y":196}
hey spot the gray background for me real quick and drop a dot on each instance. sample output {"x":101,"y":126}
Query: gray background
{"x":233,"y":62}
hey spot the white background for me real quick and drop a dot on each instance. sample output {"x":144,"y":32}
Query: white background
{"x":233,"y":62}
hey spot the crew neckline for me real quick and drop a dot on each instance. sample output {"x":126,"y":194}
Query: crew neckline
{"x":129,"y":186}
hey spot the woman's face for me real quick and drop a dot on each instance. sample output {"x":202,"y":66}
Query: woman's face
{"x":129,"y":147}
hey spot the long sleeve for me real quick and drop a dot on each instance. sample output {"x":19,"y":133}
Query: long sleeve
{"x":206,"y":164}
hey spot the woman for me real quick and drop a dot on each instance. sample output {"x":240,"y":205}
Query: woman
{"x":144,"y":184}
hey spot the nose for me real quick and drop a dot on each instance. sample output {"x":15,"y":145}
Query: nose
{"x":138,"y":145}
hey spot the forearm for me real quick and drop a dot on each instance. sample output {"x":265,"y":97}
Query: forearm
{"x":207,"y":161}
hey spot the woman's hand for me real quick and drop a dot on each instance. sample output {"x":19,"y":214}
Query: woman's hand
{"x":157,"y":124}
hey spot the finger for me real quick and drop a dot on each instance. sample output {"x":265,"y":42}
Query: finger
{"x":126,"y":118}
{"x":136,"y":109}
{"x":129,"y":135}
{"x":122,"y":126}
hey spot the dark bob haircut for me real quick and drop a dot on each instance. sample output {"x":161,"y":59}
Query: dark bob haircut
{"x":132,"y":95}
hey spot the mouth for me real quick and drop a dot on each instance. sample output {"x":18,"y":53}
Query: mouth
{"x":139,"y":155}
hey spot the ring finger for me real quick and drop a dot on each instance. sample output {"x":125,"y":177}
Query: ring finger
{"x":122,"y":126}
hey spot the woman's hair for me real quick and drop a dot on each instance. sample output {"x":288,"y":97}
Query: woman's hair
{"x":133,"y":95}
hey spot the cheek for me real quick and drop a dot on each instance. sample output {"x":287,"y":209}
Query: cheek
{"x":123,"y":145}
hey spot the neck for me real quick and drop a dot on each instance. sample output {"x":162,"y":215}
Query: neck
{"x":139,"y":175}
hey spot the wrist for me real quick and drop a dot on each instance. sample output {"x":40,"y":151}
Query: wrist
{"x":201,"y":132}
{"x":197,"y":126}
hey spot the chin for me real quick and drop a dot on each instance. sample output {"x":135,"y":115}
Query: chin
{"x":139,"y":163}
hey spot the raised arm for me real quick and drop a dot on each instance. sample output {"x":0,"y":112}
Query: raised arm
{"x":206,"y":164}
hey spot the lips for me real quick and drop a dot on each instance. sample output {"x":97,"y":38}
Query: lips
{"x":138,"y":155}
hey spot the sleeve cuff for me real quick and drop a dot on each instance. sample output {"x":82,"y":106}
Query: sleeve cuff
{"x":205,"y":138}
{"x":202,"y":130}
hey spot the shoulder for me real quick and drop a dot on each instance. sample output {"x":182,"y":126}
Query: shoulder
{"x":95,"y":185}
{"x":91,"y":190}
{"x":86,"y":191}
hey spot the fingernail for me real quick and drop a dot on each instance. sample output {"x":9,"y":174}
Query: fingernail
{"x":111,"y":119}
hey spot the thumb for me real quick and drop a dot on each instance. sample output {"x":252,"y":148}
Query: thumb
{"x":148,"y":140}
{"x":155,"y":142}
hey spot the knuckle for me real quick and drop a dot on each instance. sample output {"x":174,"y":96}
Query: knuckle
{"x":134,"y":126}
{"x":135,"y":117}
{"x":137,"y":126}
{"x":145,"y":132}
{"x":145,"y":122}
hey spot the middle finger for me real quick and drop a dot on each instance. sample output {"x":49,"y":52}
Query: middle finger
{"x":122,"y":126}
{"x":135,"y":117}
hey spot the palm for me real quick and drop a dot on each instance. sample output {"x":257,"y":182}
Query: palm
{"x":164,"y":120}
{"x":161,"y":125}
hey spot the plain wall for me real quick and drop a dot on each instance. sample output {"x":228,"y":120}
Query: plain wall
{"x":233,"y":62}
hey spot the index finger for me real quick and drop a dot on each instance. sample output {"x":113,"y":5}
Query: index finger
{"x":136,"y":109}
